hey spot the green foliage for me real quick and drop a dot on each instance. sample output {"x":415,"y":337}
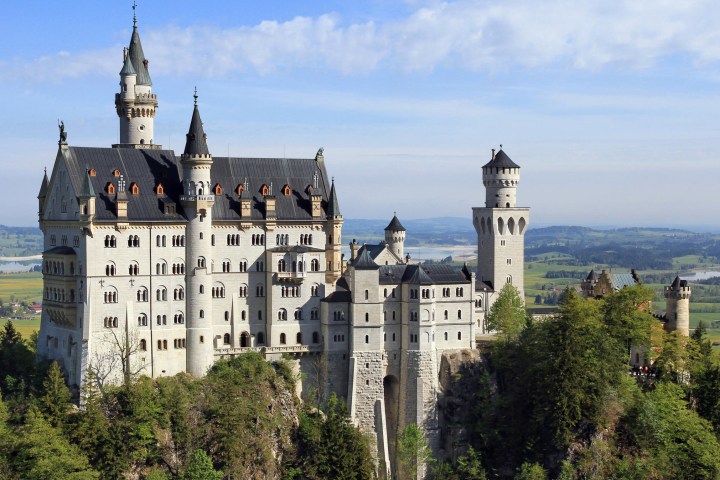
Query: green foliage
{"x":469,"y":466}
{"x":683,"y":444}
{"x":412,"y":451}
{"x":41,"y":452}
{"x":56,"y":400}
{"x":157,"y":473}
{"x":17,"y":362}
{"x":331,"y":447}
{"x":200,"y":467}
{"x":531,"y":471}
{"x":507,"y":315}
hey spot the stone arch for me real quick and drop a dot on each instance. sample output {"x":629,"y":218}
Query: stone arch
{"x":426,"y":315}
{"x":521,"y":225}
{"x":501,"y":225}
{"x":511,"y":225}
{"x":244,"y":340}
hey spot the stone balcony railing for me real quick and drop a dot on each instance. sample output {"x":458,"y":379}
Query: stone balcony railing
{"x":289,"y":275}
{"x":277,"y":349}
{"x":197,"y":198}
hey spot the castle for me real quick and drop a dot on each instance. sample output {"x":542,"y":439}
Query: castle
{"x":157,"y":264}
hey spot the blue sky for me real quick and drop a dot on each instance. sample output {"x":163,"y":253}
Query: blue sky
{"x":610,"y":108}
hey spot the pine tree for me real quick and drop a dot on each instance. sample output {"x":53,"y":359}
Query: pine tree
{"x":54,"y":403}
{"x":413,"y":451}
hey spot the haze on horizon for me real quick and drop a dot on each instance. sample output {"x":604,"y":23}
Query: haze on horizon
{"x":611,"y":111}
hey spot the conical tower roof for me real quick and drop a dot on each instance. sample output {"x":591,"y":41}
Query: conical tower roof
{"x":333,"y":206}
{"x":196,"y":140}
{"x":44,"y":186}
{"x":365,"y":262}
{"x":128,"y":68}
{"x":137,"y":57}
{"x":87,"y":189}
{"x":500,"y":159}
{"x":395,"y":225}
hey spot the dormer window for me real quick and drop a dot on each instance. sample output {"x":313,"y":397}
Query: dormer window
{"x":265,"y":190}
{"x":159,"y":189}
{"x":116,"y":173}
{"x":218,"y":189}
{"x":239,"y":189}
{"x":110,"y":188}
{"x":92,"y":172}
{"x":286,"y":190}
{"x":134,"y":189}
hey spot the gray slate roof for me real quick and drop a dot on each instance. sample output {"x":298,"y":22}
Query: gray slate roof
{"x":395,"y":225}
{"x":196,"y":140}
{"x":622,"y":280}
{"x":364,"y":261}
{"x":128,"y":68}
{"x":147,"y":168}
{"x":333,"y":206}
{"x":421,"y":274}
{"x":137,"y":57}
{"x":501,"y":160}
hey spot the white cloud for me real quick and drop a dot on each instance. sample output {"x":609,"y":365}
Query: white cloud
{"x":467,"y":34}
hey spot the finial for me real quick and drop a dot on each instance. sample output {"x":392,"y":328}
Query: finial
{"x":501,"y":146}
{"x":195,"y":96}
{"x":63,"y":133}
{"x":45,"y":169}
{"x":134,"y":16}
{"x":395,"y":213}
{"x":333,"y":179}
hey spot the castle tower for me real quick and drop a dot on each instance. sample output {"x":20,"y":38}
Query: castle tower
{"x":135,"y":103}
{"x":395,"y":237}
{"x":333,"y":229}
{"x":42,"y":195}
{"x":500,"y":226}
{"x":677,"y":306}
{"x":197,"y":201}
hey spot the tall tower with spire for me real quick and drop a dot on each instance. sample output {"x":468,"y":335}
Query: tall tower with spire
{"x":197,"y":201}
{"x":500,"y":226}
{"x":677,"y":306}
{"x":333,"y":247}
{"x":136,"y":104}
{"x":395,"y":237}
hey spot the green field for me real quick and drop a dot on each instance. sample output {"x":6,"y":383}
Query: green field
{"x":24,"y":327}
{"x":22,"y":287}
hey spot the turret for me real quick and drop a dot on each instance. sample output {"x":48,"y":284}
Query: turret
{"x":135,"y":104}
{"x":197,"y":201}
{"x":42,"y":195}
{"x":500,"y":177}
{"x":333,"y":228}
{"x":86,"y":199}
{"x":677,"y":306}
{"x":395,"y":237}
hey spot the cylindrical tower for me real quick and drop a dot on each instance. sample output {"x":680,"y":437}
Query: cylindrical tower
{"x":135,"y":103}
{"x":677,"y":306}
{"x":197,"y":202}
{"x":395,"y":237}
{"x":501,"y":177}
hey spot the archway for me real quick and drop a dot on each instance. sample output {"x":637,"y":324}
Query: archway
{"x":244,"y":340}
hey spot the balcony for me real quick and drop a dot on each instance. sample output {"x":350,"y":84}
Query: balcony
{"x":285,"y":276}
{"x":268,"y":350}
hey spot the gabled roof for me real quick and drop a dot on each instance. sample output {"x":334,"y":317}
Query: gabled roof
{"x":592,"y":276}
{"x":137,"y":57}
{"x":501,"y":160}
{"x":395,"y":225}
{"x":416,"y":275}
{"x":364,"y":262}
{"x":622,"y":280}
{"x":196,"y":140}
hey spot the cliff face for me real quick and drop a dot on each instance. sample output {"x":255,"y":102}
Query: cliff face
{"x":464,"y":382}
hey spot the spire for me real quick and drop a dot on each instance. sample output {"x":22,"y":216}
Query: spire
{"x":333,"y":206}
{"x":44,"y":186}
{"x":137,"y":57}
{"x":196,"y":143}
{"x":87,"y":190}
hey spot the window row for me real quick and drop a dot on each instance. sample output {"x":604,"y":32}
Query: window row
{"x":57,"y":267}
{"x":58,"y":295}
{"x":258,"y":239}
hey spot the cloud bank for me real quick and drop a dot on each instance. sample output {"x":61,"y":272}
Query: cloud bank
{"x":473,"y":35}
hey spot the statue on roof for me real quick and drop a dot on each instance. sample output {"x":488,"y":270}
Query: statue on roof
{"x":63,"y":133}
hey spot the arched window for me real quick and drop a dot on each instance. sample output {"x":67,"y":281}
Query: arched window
{"x":283,"y":340}
{"x":367,"y":338}
{"x":244,"y":340}
{"x":459,"y":314}
{"x":315,"y":337}
{"x":261,"y":338}
{"x":282,"y":314}
{"x":298,"y":338}
{"x":218,"y":189}
{"x":143,"y":345}
{"x":226,"y":339}
{"x":202,"y":313}
{"x":142,"y":320}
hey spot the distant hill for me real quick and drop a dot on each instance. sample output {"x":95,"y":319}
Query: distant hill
{"x":20,"y":241}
